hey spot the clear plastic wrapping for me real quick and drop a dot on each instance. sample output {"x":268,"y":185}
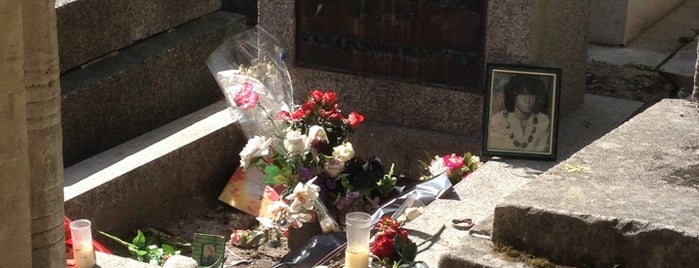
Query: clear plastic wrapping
{"x":253,"y":60}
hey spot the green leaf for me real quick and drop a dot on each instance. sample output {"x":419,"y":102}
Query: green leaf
{"x":409,"y":252}
{"x":168,"y":249}
{"x":140,"y":240}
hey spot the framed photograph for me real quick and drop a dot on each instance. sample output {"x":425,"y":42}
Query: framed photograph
{"x":209,"y":250}
{"x":521,"y":111}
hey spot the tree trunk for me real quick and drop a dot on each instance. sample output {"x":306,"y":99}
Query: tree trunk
{"x":14,"y":173}
{"x":44,"y":133}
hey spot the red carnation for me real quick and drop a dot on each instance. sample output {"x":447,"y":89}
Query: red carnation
{"x":383,"y":246}
{"x":283,"y":116}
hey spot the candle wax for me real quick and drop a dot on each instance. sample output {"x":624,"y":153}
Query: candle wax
{"x":84,"y":256}
{"x":357,"y":259}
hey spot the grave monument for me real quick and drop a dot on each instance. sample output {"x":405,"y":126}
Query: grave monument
{"x":419,"y":64}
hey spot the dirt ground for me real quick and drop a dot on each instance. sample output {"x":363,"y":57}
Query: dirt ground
{"x":207,"y":215}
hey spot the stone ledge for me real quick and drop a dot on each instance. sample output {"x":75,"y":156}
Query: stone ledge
{"x":88,"y":29}
{"x":130,"y":182}
{"x":628,"y":198}
{"x":142,"y":87}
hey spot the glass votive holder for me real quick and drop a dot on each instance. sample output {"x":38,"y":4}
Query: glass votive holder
{"x":358,"y":226}
{"x":81,"y":235}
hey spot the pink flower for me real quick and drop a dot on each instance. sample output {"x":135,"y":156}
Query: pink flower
{"x":246,"y":98}
{"x":238,"y":237}
{"x":283,"y":116}
{"x":453,"y":162}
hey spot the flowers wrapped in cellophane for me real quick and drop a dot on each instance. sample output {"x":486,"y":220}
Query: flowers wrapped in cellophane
{"x":304,"y":149}
{"x":250,"y":70}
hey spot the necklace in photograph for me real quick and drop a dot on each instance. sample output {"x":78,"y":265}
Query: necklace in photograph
{"x":521,"y":143}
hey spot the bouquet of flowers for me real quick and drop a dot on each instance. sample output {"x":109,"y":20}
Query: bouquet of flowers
{"x":304,"y":149}
{"x":392,"y":247}
{"x":455,"y":166}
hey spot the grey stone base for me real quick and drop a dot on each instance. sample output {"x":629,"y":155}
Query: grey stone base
{"x":629,"y":198}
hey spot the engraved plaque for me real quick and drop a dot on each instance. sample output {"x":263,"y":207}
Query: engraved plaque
{"x":435,"y":42}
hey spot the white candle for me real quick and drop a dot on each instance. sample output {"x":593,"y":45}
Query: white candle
{"x":356,"y":259}
{"x":81,"y":235}
{"x":84,"y":255}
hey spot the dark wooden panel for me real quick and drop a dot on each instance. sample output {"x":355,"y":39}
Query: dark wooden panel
{"x":437,"y":42}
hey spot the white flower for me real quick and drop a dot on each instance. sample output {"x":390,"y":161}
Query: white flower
{"x":343,"y":152}
{"x":294,"y":143}
{"x":475,"y":162}
{"x":437,"y":166}
{"x":304,"y":196}
{"x":316,"y":133}
{"x":413,"y":212}
{"x":334,"y":167}
{"x":283,"y":217}
{"x":256,"y":147}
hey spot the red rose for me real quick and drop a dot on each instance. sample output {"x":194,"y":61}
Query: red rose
{"x":298,"y":114}
{"x":404,"y":233}
{"x":383,"y":246}
{"x":316,"y":95}
{"x":329,"y":98}
{"x":355,"y":119}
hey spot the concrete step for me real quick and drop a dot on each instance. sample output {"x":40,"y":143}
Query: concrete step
{"x":656,"y":45}
{"x":629,"y":198}
{"x":141,"y":87}
{"x":189,"y":157}
{"x":680,"y":69}
{"x":477,"y":196}
{"x":89,"y":29}
{"x":193,"y":157}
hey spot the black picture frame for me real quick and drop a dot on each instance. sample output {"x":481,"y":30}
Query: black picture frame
{"x":517,"y":125}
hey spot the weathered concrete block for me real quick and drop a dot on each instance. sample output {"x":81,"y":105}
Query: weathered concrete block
{"x":88,"y":29}
{"x":618,"y":22}
{"x":553,"y":35}
{"x":547,"y":33}
{"x":142,"y":87}
{"x":479,"y":193}
{"x":629,"y":198}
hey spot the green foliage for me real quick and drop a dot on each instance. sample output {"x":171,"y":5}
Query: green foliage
{"x":144,"y":248}
{"x":387,"y":182}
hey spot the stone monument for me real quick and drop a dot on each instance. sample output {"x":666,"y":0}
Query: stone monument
{"x":387,"y":58}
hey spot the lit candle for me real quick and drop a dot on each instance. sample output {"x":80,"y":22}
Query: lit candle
{"x":358,"y":227}
{"x":356,"y":259}
{"x":81,"y":235}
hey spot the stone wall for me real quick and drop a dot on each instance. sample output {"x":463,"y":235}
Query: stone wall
{"x":618,"y":22}
{"x":546,"y":33}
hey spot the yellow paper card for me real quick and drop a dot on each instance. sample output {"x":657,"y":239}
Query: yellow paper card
{"x":247,"y":192}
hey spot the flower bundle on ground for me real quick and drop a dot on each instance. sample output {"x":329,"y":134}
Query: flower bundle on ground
{"x":456,"y":167}
{"x":392,"y":247}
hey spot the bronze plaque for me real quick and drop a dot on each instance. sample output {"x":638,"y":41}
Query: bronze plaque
{"x":436,"y":42}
